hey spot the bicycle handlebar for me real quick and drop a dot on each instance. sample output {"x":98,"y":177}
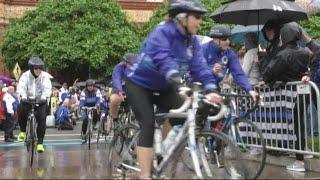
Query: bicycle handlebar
{"x":224,"y":109}
{"x":34,"y":101}
{"x":184,"y":92}
{"x":89,"y":108}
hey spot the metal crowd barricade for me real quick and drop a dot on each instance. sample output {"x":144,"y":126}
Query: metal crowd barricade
{"x":286,"y":110}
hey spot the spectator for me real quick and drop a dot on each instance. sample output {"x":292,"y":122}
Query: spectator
{"x":74,"y":104}
{"x":250,"y":60}
{"x":63,"y":89}
{"x":63,"y":118}
{"x":8,"y":124}
{"x":289,"y":64}
{"x":271,"y":32}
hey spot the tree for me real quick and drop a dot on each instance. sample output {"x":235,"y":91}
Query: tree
{"x":70,"y":34}
{"x":312,"y":26}
{"x":161,"y":13}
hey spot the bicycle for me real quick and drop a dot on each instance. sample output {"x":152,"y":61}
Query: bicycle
{"x":31,"y":128}
{"x":122,"y":148}
{"x":253,"y":147}
{"x":102,"y":129}
{"x":89,"y":133}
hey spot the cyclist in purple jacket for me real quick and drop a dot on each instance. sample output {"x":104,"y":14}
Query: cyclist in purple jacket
{"x":170,"y":52}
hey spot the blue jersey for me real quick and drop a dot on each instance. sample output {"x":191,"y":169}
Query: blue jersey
{"x":120,"y":72}
{"x":168,"y":51}
{"x":230,"y":63}
{"x":62,"y":114}
{"x":90,"y":98}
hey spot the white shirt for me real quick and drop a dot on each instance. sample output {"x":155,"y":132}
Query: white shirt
{"x":9,"y":100}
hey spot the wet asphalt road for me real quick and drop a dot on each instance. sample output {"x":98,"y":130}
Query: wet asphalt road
{"x":66,"y":158}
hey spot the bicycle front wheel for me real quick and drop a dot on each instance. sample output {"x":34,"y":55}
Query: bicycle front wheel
{"x":89,"y":132}
{"x":122,"y":156}
{"x":249,"y":139}
{"x":217,"y":154}
{"x":30,"y":140}
{"x":102,"y":128}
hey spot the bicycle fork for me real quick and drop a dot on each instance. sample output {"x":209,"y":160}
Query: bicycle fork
{"x":192,"y":142}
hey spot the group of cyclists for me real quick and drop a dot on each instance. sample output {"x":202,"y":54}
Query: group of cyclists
{"x":169,"y":56}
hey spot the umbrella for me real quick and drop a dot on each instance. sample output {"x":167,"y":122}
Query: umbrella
{"x":310,"y":6}
{"x":239,"y":31}
{"x":5,"y":80}
{"x":251,"y":12}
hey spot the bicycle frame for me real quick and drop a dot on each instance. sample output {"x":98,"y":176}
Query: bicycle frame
{"x":90,"y":121}
{"x":31,"y":127}
{"x":188,"y":129}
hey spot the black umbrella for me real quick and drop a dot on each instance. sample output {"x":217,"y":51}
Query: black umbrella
{"x":251,"y":12}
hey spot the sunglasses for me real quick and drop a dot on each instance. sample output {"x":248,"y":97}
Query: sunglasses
{"x":224,"y":38}
{"x":37,"y":68}
{"x":197,"y":16}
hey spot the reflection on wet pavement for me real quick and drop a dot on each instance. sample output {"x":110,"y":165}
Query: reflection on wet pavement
{"x":77,"y":162}
{"x":56,"y":162}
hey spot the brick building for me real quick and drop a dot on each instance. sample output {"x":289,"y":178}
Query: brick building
{"x":138,"y":11}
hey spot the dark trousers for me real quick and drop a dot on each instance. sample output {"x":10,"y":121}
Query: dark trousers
{"x":40,"y":113}
{"x":299,"y":126}
{"x":142,"y":102}
{"x":8,"y":126}
{"x":84,"y":117}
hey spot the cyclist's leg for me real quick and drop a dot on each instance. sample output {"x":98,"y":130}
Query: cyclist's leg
{"x":115,"y":102}
{"x":141,"y":101}
{"x":166,"y":101}
{"x":84,"y":118}
{"x":41,"y":120}
{"x":24,"y":109}
{"x":96,"y":117}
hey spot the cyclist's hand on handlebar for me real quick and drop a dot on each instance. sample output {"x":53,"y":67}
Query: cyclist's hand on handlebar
{"x":176,"y":81}
{"x":24,"y":99}
{"x":254,"y":95}
{"x":214,"y":98}
{"x":122,"y":95}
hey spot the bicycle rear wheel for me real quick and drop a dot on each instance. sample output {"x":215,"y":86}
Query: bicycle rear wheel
{"x":121,"y":155}
{"x":249,"y":139}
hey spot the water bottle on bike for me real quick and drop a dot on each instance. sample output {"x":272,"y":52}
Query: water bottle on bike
{"x":168,"y":142}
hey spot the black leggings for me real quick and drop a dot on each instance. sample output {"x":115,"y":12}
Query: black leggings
{"x":142,"y":102}
{"x":40,"y":112}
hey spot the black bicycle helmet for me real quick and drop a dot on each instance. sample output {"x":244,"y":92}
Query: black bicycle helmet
{"x":35,"y":61}
{"x":185,"y":6}
{"x":220,"y":31}
{"x":90,"y":82}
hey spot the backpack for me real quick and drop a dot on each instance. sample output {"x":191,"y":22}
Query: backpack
{"x":2,"y":107}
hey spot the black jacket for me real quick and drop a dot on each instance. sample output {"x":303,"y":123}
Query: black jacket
{"x":290,"y":64}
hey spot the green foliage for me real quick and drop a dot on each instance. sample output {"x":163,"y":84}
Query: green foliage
{"x":207,"y":22}
{"x":71,"y":34}
{"x":161,"y":13}
{"x":312,"y":26}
